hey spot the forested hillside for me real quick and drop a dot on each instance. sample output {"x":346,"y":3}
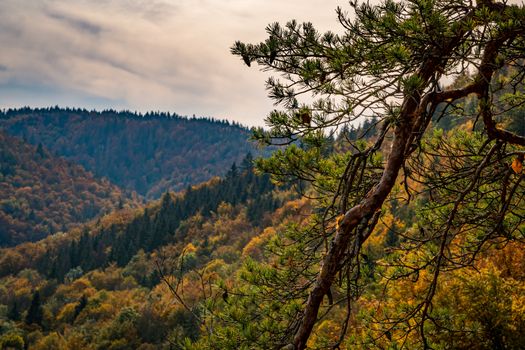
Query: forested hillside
{"x":41,"y":194}
{"x":103,"y":286}
{"x":407,"y":232}
{"x":148,"y":153}
{"x":115,"y":239}
{"x":191,"y":270}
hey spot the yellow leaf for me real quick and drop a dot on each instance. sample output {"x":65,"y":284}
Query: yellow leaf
{"x":517,"y":165}
{"x":338,"y":221}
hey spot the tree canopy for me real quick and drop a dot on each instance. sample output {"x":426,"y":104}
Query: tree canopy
{"x":394,"y":62}
{"x":147,"y":153}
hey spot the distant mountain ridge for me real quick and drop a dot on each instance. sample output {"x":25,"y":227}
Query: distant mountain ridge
{"x":41,"y":194}
{"x":149,"y":153}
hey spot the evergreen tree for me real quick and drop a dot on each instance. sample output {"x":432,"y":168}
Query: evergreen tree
{"x":247,"y":162}
{"x":40,"y":151}
{"x":13,"y":313}
{"x":388,"y":63}
{"x":82,"y":303}
{"x":35,"y":313}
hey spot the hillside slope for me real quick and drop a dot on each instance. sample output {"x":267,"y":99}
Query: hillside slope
{"x":101,"y":286}
{"x":193,"y":271}
{"x":149,"y":154}
{"x":118,"y":236}
{"x":41,"y":194}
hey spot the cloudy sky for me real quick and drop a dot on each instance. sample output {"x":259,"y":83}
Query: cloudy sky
{"x":167,"y":55}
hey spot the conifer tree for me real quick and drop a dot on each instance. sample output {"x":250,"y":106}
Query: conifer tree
{"x":35,"y":312}
{"x":40,"y":151}
{"x":14,"y":313}
{"x":82,"y":303}
{"x":387,"y":68}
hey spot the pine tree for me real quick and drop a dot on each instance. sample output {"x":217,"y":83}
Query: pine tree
{"x":247,"y":162}
{"x":14,"y":313}
{"x":40,"y":151}
{"x":82,"y":303}
{"x":35,"y":313}
{"x":386,"y":69}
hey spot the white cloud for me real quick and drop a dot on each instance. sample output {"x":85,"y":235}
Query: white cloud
{"x":142,"y":54}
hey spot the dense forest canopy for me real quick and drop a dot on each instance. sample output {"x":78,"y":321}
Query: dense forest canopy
{"x":41,"y":194}
{"x":116,"y":238}
{"x":148,"y":153}
{"x":103,"y":285}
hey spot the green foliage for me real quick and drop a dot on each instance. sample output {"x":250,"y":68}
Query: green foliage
{"x":11,"y":341}
{"x":149,"y":154}
{"x":461,"y":191}
{"x":35,"y":313}
{"x":13,"y":313}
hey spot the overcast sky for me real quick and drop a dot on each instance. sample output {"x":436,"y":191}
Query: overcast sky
{"x":167,"y":55}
